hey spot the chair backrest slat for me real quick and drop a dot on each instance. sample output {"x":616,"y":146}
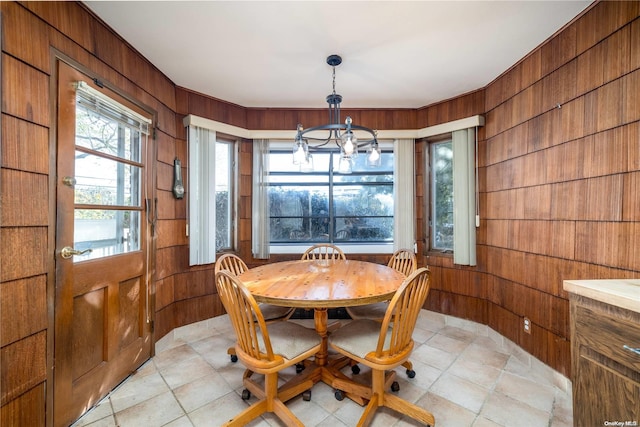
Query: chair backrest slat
{"x":404,"y":261}
{"x":323,"y":251}
{"x":245,"y":316}
{"x":402,"y":313}
{"x":231,"y":262}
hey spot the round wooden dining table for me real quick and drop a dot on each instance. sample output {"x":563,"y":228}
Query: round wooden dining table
{"x":320,"y":285}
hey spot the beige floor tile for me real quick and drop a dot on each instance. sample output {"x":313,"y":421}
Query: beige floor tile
{"x":458,"y":334}
{"x":446,"y":413}
{"x":448,"y":344}
{"x":183,"y":372}
{"x":98,"y":413}
{"x":508,"y":412}
{"x":137,"y":390}
{"x":183,"y":421}
{"x":526,"y":391}
{"x":432,"y":356}
{"x":482,"y":352}
{"x":221,"y":410}
{"x":478,"y":373}
{"x":201,"y":391}
{"x":460,"y":391}
{"x":157,"y":411}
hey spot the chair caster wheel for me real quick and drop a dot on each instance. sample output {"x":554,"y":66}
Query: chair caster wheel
{"x":339,"y":394}
{"x":355,"y":369}
{"x":299,"y":367}
{"x":306,"y":395}
{"x":395,"y":386}
{"x":234,"y":358}
{"x":246,"y":394}
{"x":411,"y":373}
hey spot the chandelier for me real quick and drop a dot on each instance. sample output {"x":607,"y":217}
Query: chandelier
{"x":335,"y":132}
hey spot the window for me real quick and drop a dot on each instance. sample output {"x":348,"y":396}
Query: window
{"x":211,"y":194}
{"x":441,"y":155}
{"x":328,"y":206}
{"x":109,"y":140}
{"x":453,"y":195}
{"x":224,"y":189}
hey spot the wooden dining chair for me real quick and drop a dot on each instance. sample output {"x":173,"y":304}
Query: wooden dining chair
{"x":323,"y":251}
{"x":384,"y":346}
{"x":405,"y":262}
{"x":265,"y":350}
{"x":271,"y":313}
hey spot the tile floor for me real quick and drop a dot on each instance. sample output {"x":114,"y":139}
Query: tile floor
{"x":467,"y":375}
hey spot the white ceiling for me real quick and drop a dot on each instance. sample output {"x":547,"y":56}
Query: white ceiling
{"x":396,"y":54}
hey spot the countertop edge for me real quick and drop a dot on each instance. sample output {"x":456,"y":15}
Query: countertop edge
{"x":618,"y":292}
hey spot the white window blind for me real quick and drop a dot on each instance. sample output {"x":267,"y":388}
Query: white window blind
{"x":260,"y":202}
{"x":404,"y":194}
{"x":464,"y":197}
{"x":202,"y":196}
{"x":94,"y":100}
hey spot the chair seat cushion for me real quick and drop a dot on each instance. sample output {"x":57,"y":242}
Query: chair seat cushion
{"x":369,"y":311}
{"x":291,"y":339}
{"x":358,"y":337}
{"x":270,"y":311}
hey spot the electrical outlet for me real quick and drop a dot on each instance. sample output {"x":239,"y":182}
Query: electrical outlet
{"x":527,"y":325}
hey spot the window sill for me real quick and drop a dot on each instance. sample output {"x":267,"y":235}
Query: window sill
{"x":347,"y":248}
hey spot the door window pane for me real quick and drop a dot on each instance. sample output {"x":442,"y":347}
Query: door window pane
{"x":104,"y":135}
{"x":106,"y":232}
{"x":103,"y":181}
{"x":107,"y":192}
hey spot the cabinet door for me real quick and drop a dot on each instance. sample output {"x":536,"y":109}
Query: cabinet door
{"x":611,"y":396}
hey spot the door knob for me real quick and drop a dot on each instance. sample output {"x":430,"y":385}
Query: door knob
{"x":67,"y":252}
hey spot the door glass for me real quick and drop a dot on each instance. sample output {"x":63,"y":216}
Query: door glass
{"x":108,"y":203}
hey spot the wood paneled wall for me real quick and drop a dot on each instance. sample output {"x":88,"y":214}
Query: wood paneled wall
{"x":559,"y":158}
{"x":558,"y":186}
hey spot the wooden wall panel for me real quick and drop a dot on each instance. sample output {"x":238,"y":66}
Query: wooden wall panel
{"x":631,"y":200}
{"x":25,"y":146}
{"x":23,"y":366}
{"x":631,"y":103}
{"x":25,"y":91}
{"x":19,"y":210}
{"x":23,"y":252}
{"x":26,"y":411}
{"x":23,"y":308}
{"x":30,"y":41}
{"x":171,"y":233}
{"x":613,"y":244}
{"x":164,"y":292}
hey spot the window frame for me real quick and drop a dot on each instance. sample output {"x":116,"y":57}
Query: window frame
{"x":364,"y":247}
{"x":233,"y":144}
{"x":430,"y":193}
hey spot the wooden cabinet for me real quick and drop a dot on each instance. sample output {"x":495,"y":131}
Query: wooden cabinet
{"x":605,"y":354}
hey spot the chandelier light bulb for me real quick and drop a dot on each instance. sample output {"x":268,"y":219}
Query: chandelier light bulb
{"x":374,"y":156}
{"x":349,"y":143}
{"x":307,"y":164}
{"x":344,"y":166}
{"x":300,"y":153}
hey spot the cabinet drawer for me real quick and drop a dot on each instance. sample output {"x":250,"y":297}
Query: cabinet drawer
{"x":608,"y":336}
